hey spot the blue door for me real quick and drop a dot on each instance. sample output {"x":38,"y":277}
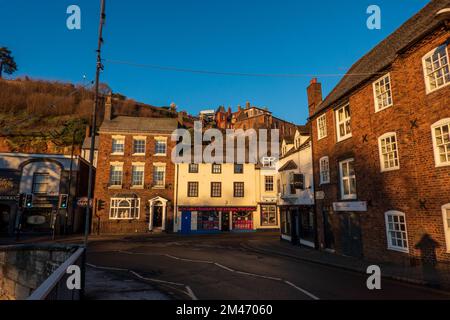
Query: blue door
{"x":185,"y":222}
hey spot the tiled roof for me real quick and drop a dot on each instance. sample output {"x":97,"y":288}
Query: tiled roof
{"x":139,"y":124}
{"x":87,"y":143}
{"x":386,"y":51}
{"x":290,"y":165}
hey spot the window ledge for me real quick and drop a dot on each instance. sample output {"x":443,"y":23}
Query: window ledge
{"x":137,"y":187}
{"x":344,"y":138}
{"x":117,"y":153}
{"x":115,"y":187}
{"x":138,"y":154}
{"x":158,"y":187}
{"x":440,"y":165}
{"x":437,"y":89}
{"x":402,"y":250}
{"x":160,"y":155}
{"x":390,"y":169}
{"x":382,"y":109}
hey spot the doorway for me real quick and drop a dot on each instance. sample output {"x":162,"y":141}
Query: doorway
{"x":351,"y":235}
{"x":5,"y":214}
{"x":225,"y":221}
{"x":158,"y":213}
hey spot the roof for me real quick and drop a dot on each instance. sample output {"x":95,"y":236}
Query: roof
{"x":290,"y":165}
{"x":139,"y":124}
{"x":293,"y":150}
{"x":87,"y":143}
{"x":382,"y":55}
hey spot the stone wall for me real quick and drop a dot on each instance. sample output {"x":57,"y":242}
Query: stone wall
{"x":24,"y":268}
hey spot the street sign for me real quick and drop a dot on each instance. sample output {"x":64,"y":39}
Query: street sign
{"x":83,"y":201}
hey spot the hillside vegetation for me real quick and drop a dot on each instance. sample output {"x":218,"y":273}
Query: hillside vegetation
{"x":45,"y":117}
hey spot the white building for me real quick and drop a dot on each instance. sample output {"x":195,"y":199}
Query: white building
{"x":296,"y":185}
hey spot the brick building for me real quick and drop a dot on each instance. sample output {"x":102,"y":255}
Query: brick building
{"x":381,"y":148}
{"x":135,"y":182}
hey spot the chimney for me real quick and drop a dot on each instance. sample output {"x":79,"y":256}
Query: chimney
{"x":88,"y":131}
{"x":181,"y":118}
{"x":247,"y":105}
{"x":314,"y":95}
{"x":108,"y":108}
{"x":239,"y":108}
{"x":229,"y":111}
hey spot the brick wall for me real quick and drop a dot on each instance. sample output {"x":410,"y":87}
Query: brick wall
{"x":417,"y":179}
{"x":101,"y":222}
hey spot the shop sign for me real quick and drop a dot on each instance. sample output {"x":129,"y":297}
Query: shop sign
{"x":320,"y":195}
{"x":358,"y":206}
{"x":234,"y":209}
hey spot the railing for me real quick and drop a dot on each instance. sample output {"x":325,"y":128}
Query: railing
{"x":55,"y":286}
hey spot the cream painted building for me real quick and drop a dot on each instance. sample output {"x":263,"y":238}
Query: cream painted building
{"x":224,"y":197}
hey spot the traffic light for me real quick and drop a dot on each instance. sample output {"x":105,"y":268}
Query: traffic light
{"x":63,"y":201}
{"x":21,"y":200}
{"x":28,"y":201}
{"x":100,"y":205}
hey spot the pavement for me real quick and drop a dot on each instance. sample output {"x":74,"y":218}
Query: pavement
{"x":256,"y":266}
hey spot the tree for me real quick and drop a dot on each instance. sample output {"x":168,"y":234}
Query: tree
{"x":7,"y":62}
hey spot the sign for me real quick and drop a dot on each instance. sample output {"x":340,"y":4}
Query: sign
{"x":320,"y":195}
{"x":83,"y":201}
{"x":36,"y":220}
{"x":359,"y":206}
{"x":234,"y":209}
{"x":9,"y":198}
{"x":269,"y":199}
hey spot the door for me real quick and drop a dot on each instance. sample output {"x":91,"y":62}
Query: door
{"x":327,"y":229}
{"x":5,"y":211}
{"x":225,"y":221}
{"x":186,"y":222}
{"x":157,"y":216}
{"x":351,"y":235}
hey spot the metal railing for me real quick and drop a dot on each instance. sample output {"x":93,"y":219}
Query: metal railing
{"x":55,"y":286}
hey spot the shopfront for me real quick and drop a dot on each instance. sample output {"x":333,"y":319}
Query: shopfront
{"x":216,"y":219}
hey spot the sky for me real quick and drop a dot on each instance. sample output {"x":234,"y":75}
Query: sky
{"x":322,"y":38}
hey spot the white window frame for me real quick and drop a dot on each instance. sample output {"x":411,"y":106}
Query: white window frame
{"x":164,"y":140}
{"x":380,"y":151}
{"x":145,"y":145}
{"x":115,"y":164}
{"x":338,"y":123}
{"x":445,"y":208}
{"x":426,"y":76}
{"x":138,"y":165}
{"x":117,"y":138}
{"x":379,"y":98}
{"x":351,"y":196}
{"x":322,"y":127}
{"x":269,"y":186}
{"x":437,"y":158}
{"x":322,"y":170}
{"x":116,"y":207}
{"x":390,"y":245}
{"x":163,"y":185}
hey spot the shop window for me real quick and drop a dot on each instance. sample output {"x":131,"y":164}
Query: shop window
{"x":268,"y":215}
{"x":124,"y":208}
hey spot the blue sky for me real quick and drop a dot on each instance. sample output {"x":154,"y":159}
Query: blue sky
{"x":246,"y":36}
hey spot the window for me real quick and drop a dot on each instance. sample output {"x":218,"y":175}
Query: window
{"x":138,"y":146}
{"x":118,"y":145}
{"x":382,"y":92}
{"x":160,"y":147}
{"x":446,"y":217}
{"x":436,"y":69}
{"x":216,"y":168}
{"x":193,"y":168}
{"x":159,"y":176}
{"x":216,"y":189}
{"x":292,"y":189}
{"x":441,"y":142}
{"x":41,"y":183}
{"x":124,"y":208}
{"x":324,"y":164}
{"x":137,"y":175}
{"x":238,"y":189}
{"x":343,"y":123}
{"x":348,"y":179}
{"x":397,"y":236}
{"x":388,"y":152}
{"x":322,"y":126}
{"x":115,"y":175}
{"x":238,"y":168}
{"x":268,"y":183}
{"x":192,"y":189}
{"x":268,"y":215}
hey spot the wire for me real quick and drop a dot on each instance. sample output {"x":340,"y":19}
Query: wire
{"x":237,"y":74}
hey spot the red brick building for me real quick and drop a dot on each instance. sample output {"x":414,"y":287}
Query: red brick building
{"x":134,"y":186}
{"x":381,"y":148}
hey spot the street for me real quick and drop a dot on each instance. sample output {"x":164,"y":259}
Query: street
{"x":222,"y":267}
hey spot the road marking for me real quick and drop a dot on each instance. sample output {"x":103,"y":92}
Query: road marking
{"x":188,"y":291}
{"x":309,"y":294}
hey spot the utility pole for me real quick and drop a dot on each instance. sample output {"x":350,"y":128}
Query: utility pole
{"x":94,"y":120}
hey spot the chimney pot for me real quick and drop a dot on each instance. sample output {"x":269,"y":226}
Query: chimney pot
{"x":108,"y":107}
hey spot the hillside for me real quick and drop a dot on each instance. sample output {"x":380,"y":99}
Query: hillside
{"x":45,"y":117}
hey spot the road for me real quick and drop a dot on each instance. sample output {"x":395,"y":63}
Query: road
{"x":222,"y":267}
